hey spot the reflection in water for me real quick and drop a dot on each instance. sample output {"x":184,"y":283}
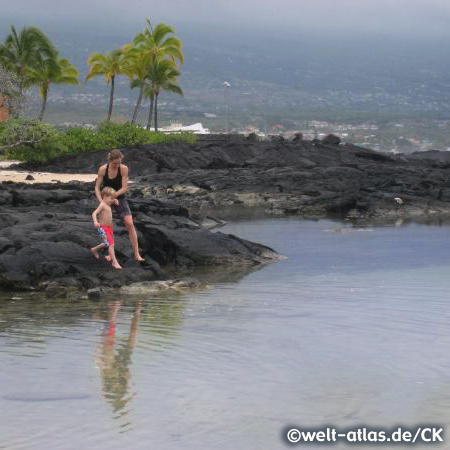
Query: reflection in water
{"x":160,"y":318}
{"x":114,"y":358}
{"x":352,"y":328}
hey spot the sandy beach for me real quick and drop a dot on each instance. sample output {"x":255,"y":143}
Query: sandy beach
{"x":40,"y":177}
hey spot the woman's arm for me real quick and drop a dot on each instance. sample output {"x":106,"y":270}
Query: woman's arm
{"x":124,"y":187}
{"x":98,"y":182}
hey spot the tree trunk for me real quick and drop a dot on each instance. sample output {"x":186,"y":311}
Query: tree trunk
{"x":138,"y":105}
{"x":156,"y":112}
{"x":22,"y":80}
{"x":13,"y":111}
{"x":44,"y":106}
{"x":111,"y":99}
{"x":150,"y":114}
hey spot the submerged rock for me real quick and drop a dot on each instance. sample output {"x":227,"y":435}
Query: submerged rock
{"x":148,"y":287}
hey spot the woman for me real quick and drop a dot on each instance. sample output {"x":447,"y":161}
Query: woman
{"x":115,"y":175}
{"x":114,"y":359}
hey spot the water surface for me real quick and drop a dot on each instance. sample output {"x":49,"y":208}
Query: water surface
{"x":353,"y":327}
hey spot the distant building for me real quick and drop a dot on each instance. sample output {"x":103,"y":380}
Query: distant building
{"x":4,"y":111}
{"x":88,"y":126}
{"x":196,"y":128}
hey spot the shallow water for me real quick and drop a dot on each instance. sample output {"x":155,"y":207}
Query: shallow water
{"x":353,"y":327}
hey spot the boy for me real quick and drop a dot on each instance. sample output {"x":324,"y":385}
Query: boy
{"x":104,"y":226}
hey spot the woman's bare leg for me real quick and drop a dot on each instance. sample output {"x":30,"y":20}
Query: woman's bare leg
{"x":128,"y":222}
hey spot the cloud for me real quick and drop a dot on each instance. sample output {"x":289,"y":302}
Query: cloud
{"x":402,"y":16}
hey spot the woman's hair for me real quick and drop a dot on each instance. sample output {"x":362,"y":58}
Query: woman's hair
{"x":114,"y":154}
{"x":108,"y":192}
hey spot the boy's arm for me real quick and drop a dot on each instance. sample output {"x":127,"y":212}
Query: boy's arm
{"x":98,"y":183}
{"x":124,"y":187}
{"x":96,"y":213}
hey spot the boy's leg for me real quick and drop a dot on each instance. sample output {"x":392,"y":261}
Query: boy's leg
{"x":113,"y":259}
{"x":96,"y":249}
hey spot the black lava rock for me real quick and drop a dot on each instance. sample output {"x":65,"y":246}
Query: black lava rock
{"x":331,"y":139}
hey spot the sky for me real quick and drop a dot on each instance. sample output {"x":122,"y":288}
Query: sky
{"x":404,"y":17}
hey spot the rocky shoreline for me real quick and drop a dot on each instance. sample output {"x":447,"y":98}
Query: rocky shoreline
{"x":304,"y":178}
{"x":46,"y":229}
{"x":46,"y":233}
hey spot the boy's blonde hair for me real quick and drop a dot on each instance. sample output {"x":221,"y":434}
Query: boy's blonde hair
{"x":108,"y":192}
{"x":114,"y":154}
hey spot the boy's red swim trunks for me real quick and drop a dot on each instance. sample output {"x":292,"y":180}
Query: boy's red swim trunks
{"x":106,"y":234}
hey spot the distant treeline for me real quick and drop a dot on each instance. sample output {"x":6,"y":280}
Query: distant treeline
{"x":151,"y":62}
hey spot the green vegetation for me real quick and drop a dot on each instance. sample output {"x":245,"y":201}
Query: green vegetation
{"x":32,"y":58}
{"x":11,"y":92}
{"x":51,"y":70}
{"x":162,"y":77}
{"x":151,"y":64}
{"x":22,"y":51}
{"x":30,"y":140}
{"x":110,"y":65}
{"x":29,"y":59}
{"x":18,"y":134}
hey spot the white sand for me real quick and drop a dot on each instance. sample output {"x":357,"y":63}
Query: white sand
{"x":8,"y":163}
{"x":41,"y":177}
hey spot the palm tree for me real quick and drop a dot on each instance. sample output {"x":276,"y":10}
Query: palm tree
{"x":51,"y":70}
{"x":163,"y":76}
{"x":149,"y":93}
{"x":22,"y":51}
{"x":110,"y":65}
{"x":136,"y":64}
{"x":148,"y":48}
{"x":160,"y":42}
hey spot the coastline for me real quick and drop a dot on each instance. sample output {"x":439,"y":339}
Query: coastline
{"x":180,"y":192}
{"x":46,"y":233}
{"x":311,"y":179}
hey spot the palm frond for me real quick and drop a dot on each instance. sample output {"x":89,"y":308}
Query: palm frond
{"x":160,"y":32}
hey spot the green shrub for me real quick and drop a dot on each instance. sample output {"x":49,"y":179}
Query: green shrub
{"x":128,"y":135}
{"x":52,"y":144}
{"x":2,"y":128}
{"x":43,"y":152}
{"x":79,"y":140}
{"x":30,"y":140}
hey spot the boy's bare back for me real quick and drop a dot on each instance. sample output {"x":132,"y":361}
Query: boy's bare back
{"x":104,"y":214}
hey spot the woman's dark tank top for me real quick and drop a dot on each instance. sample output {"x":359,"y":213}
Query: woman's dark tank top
{"x":115,"y":183}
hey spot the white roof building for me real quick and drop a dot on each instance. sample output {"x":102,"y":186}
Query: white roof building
{"x":196,"y":128}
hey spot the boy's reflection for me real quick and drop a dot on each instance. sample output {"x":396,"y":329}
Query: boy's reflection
{"x":114,"y":358}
